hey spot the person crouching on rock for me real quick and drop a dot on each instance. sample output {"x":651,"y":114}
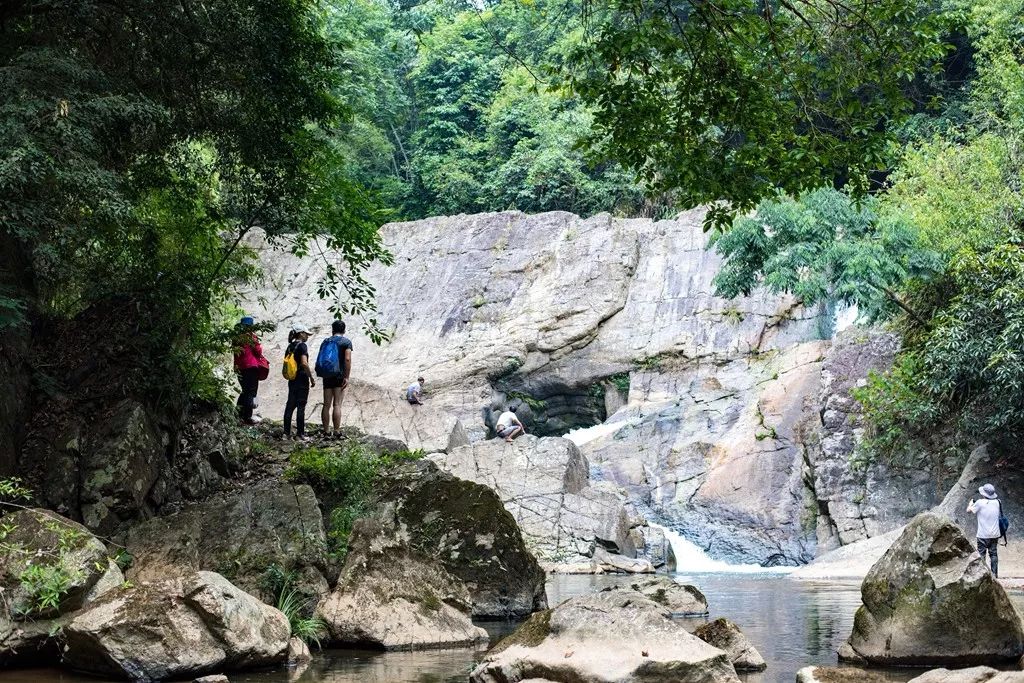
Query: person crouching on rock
{"x":414,"y":392}
{"x":988,"y":511}
{"x":300,"y":384}
{"x":509,"y":426}
{"x":250,"y":366}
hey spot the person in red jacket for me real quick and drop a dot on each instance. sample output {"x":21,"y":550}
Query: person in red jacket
{"x":248,"y":356}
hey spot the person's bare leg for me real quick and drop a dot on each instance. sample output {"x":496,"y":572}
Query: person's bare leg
{"x":325,"y":412}
{"x":339,"y":394}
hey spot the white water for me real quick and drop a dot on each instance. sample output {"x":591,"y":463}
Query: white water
{"x":690,"y":559}
{"x":588,"y":434}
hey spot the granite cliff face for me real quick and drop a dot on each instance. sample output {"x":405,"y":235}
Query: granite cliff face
{"x":729,"y":420}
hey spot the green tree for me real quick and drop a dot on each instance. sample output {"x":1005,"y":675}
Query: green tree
{"x":736,"y":100}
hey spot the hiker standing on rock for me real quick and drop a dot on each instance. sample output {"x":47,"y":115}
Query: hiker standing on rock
{"x":509,"y":426}
{"x":988,"y":510}
{"x":333,"y":365}
{"x":250,"y":366}
{"x":300,"y":381}
{"x":414,"y":392}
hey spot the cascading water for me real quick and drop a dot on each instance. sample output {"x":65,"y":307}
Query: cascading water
{"x":690,"y":559}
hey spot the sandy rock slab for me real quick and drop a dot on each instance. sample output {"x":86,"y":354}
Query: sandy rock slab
{"x":184,"y":626}
{"x":609,"y":636}
{"x":931,"y":600}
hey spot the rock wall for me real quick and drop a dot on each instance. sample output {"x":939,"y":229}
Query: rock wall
{"x":728,"y":420}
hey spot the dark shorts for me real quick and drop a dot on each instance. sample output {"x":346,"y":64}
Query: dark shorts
{"x":333,"y":382}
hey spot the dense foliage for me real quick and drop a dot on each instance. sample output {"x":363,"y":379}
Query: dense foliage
{"x":144,"y":141}
{"x":737,"y":99}
{"x":955,"y":201}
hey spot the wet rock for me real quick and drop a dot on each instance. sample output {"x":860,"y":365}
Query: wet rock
{"x":182,"y":626}
{"x":298,"y":653}
{"x":393,"y":597}
{"x":836,"y":674}
{"x":680,"y":599}
{"x":978,"y":674}
{"x":931,"y":600}
{"x":727,"y":636}
{"x":464,"y":526}
{"x":239,"y":534}
{"x":608,"y":636}
{"x":545,"y":484}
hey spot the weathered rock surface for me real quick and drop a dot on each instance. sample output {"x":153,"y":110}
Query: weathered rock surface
{"x":56,"y":546}
{"x":545,"y":484}
{"x":858,"y":503}
{"x":837,"y":674}
{"x":852,"y":561}
{"x":727,"y":636}
{"x":239,"y":535}
{"x":393,"y":597}
{"x":717,"y":449}
{"x":978,"y":674}
{"x":680,"y":599}
{"x":182,"y":626}
{"x":615,"y":635}
{"x":930,"y":600}
{"x":463,"y":525}
{"x":604,"y":562}
{"x":385,"y":412}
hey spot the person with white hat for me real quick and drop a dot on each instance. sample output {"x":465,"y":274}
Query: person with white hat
{"x":988,"y":510}
{"x":298,"y":386}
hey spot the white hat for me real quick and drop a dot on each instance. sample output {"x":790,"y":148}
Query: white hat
{"x":299,"y":328}
{"x":988,"y":490}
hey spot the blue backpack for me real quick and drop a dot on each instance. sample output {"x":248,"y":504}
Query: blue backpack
{"x":328,"y":359}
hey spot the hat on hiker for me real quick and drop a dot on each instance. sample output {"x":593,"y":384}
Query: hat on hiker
{"x":299,"y":328}
{"x":988,"y":490}
{"x":247,"y":320}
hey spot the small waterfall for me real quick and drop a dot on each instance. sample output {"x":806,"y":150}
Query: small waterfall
{"x":692,"y":560}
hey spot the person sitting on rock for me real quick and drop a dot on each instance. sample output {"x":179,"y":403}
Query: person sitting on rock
{"x":987,"y":510}
{"x":509,"y":426}
{"x":414,"y":392}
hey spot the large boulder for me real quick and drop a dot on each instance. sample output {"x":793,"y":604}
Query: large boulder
{"x":608,"y":636}
{"x":727,"y":636}
{"x":977,"y":674}
{"x":239,"y":535}
{"x":463,"y":525}
{"x":931,"y":600}
{"x":839,"y":674}
{"x":183,"y":626}
{"x":392,"y":597}
{"x":545,"y":484}
{"x":680,"y":599}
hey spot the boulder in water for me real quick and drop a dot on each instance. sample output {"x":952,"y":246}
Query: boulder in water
{"x":977,"y":674}
{"x":464,"y":526}
{"x":393,"y":597}
{"x":931,"y":600}
{"x":836,"y":674}
{"x":617,"y":635}
{"x":680,"y":599}
{"x":727,"y":636}
{"x":182,"y":626}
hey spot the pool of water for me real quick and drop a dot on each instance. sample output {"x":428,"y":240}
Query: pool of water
{"x":792,"y":623}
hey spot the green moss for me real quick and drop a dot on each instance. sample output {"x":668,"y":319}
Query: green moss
{"x":430,"y":603}
{"x":531,"y":634}
{"x":535,"y":404}
{"x":621,"y":382}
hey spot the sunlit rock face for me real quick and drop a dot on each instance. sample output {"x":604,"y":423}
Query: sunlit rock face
{"x":710,"y":409}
